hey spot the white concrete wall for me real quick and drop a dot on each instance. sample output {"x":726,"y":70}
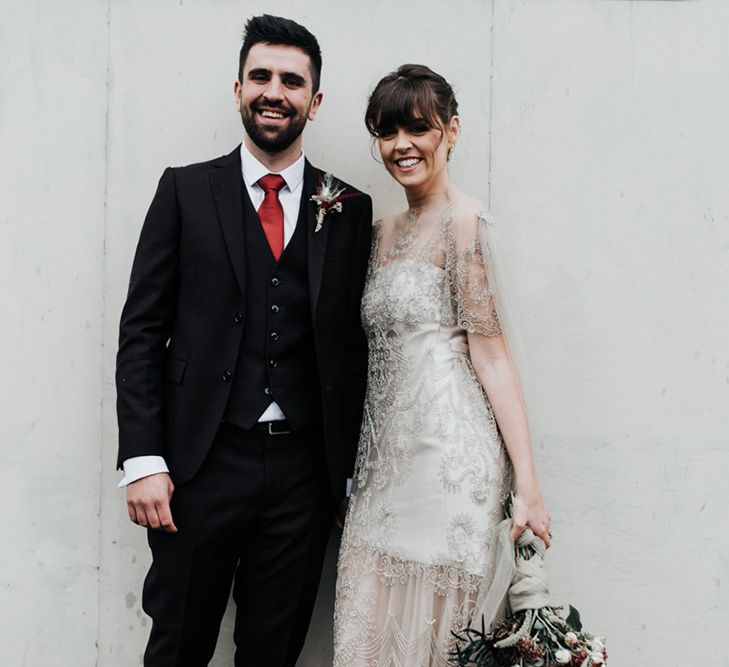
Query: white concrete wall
{"x":52,"y":225}
{"x":610,"y":164}
{"x":595,"y":129}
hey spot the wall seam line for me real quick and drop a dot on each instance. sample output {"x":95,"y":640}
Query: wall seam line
{"x":103,"y":331}
{"x":491,"y":107}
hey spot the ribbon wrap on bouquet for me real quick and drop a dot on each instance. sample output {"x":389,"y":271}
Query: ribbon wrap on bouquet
{"x":518,"y":581}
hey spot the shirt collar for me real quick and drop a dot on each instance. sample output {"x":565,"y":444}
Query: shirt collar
{"x":253,"y":169}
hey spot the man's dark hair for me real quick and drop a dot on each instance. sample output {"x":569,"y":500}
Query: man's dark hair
{"x":277,"y":30}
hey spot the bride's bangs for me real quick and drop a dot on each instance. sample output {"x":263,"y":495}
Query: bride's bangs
{"x":400,"y":103}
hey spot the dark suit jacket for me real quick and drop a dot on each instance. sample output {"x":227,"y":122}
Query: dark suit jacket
{"x":180,"y":327}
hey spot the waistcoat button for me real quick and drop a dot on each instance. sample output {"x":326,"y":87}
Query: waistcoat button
{"x":267,"y":391}
{"x":227,"y":375}
{"x":275,"y":282}
{"x":275,"y":308}
{"x":238,"y":318}
{"x":274,"y":336}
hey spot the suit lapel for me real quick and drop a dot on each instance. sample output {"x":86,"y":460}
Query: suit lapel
{"x":226,"y":184}
{"x":316,"y":242}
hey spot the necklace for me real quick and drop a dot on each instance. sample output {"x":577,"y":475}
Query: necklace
{"x":407,"y":230}
{"x":406,"y":233}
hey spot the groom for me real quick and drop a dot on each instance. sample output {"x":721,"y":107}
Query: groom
{"x":241,"y":371}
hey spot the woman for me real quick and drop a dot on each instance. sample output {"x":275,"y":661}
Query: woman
{"x":432,"y":472}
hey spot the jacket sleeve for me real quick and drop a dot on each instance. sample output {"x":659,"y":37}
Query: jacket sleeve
{"x":146,"y":327}
{"x":357,"y":362}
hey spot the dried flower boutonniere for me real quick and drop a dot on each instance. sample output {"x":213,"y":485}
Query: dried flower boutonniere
{"x":328,"y":197}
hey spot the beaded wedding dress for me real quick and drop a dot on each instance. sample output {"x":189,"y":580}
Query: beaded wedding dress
{"x":432,"y":472}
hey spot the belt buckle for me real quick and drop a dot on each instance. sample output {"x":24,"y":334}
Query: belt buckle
{"x":272,"y":432}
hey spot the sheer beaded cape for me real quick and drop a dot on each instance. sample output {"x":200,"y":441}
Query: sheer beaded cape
{"x":431,"y":472}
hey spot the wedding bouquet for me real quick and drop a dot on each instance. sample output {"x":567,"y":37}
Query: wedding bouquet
{"x":530,"y":638}
{"x":535,"y":634}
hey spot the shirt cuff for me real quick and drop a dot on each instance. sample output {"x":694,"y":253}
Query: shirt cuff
{"x":142,"y":466}
{"x":349,"y":486}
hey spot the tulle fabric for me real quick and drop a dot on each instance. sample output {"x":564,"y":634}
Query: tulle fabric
{"x":406,"y":622}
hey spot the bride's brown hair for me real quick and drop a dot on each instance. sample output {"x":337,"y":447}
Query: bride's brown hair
{"x":412,"y":93}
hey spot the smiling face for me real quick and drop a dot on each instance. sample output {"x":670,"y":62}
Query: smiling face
{"x":416,"y":154}
{"x":275,"y":98}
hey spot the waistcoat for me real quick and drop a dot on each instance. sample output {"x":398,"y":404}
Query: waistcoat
{"x":277,"y":357}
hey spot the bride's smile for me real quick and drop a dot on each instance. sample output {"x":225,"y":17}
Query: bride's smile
{"x":416,"y":154}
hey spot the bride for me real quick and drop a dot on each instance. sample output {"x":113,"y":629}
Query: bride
{"x":444,"y":437}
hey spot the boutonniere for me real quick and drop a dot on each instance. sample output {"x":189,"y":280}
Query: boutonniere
{"x":328,"y":197}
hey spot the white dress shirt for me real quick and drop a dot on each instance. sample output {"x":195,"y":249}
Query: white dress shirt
{"x":290,"y":197}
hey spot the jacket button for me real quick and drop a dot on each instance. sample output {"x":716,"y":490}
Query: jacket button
{"x":274,"y":336}
{"x":275,"y":282}
{"x":272,"y":363}
{"x":275,"y":308}
{"x":267,"y":391}
{"x":227,"y":375}
{"x":238,"y":318}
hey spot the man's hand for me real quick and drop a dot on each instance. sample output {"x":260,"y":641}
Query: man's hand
{"x":148,"y":502}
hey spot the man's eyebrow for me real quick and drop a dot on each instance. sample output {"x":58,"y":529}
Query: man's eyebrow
{"x":294,"y":77}
{"x":291,"y":76}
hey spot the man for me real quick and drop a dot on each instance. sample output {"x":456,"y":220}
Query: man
{"x":241,"y":370}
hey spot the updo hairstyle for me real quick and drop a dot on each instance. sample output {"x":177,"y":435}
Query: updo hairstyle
{"x":411,"y":93}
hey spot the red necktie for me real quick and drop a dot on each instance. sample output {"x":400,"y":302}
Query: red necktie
{"x":271,"y":212}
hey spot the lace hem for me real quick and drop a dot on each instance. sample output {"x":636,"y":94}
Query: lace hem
{"x":391,"y":612}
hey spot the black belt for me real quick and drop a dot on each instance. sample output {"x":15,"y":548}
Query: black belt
{"x":278,"y":427}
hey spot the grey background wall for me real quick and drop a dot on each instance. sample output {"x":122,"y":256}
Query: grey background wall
{"x":594,"y":130}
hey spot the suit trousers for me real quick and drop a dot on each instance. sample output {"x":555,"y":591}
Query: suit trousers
{"x":257,"y":517}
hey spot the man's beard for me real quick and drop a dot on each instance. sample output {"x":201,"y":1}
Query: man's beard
{"x":276,"y":141}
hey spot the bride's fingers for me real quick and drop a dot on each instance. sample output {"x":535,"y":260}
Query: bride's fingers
{"x":547,"y":539}
{"x":544,"y":534}
{"x":517,"y":528}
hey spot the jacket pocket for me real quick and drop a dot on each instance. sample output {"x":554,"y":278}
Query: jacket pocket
{"x":175,"y":369}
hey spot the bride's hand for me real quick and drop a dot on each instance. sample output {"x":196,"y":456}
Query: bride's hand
{"x":529,"y":511}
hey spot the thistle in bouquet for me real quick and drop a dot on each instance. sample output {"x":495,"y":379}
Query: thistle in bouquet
{"x":535,"y":633}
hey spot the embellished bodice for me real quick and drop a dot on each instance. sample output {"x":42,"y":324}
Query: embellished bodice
{"x":436,"y":275}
